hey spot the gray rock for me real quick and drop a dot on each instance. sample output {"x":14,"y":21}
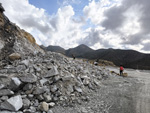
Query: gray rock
{"x":57,"y":78}
{"x":54,"y":88}
{"x":3,"y":71}
{"x":23,"y":96}
{"x":84,"y":110}
{"x":39,"y":90}
{"x":3,"y":98}
{"x":38,"y":69}
{"x":78,"y":89}
{"x":51,"y":104}
{"x":2,"y":86}
{"x":27,"y":87}
{"x":55,"y":98}
{"x":68,"y":77}
{"x":20,"y":68}
{"x":40,"y":97}
{"x":10,"y":112}
{"x":70,"y":89}
{"x":12,"y":104}
{"x":33,"y":109}
{"x":26,"y":103}
{"x":47,"y":97}
{"x":31,"y":78}
{"x":31,"y":69}
{"x":15,"y":83}
{"x":36,"y":103}
{"x":50,"y":111}
{"x":25,"y":62}
{"x":30,"y":95}
{"x":6,"y":92}
{"x":52,"y":72}
{"x":27,"y":111}
{"x":43,"y":81}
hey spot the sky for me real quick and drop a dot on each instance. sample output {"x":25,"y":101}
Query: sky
{"x":118,"y":24}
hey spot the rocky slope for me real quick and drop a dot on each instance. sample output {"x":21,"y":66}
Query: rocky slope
{"x":34,"y":81}
{"x":14,"y":40}
{"x":37,"y":83}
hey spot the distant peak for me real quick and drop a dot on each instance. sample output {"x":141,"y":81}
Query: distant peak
{"x":83,"y":45}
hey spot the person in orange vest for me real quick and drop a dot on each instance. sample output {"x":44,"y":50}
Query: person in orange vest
{"x":121,"y":70}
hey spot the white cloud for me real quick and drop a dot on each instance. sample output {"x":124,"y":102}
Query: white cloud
{"x":58,"y":29}
{"x":95,"y":10}
{"x":120,"y":24}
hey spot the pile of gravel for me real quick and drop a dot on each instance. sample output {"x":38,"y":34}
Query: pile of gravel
{"x":37,"y":83}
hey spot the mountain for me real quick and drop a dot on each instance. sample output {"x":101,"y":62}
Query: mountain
{"x":78,"y":51}
{"x":56,"y":49}
{"x":15,"y":40}
{"x":51,"y":48}
{"x":127,"y":58}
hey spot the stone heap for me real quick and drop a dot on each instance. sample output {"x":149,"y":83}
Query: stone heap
{"x":36,"y":83}
{"x":13,"y":39}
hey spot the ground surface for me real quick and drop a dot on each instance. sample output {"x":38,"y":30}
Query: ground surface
{"x":116,"y":95}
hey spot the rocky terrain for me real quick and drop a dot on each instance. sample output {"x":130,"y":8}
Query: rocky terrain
{"x":34,"y":81}
{"x":37,"y":83}
{"x":13,"y":39}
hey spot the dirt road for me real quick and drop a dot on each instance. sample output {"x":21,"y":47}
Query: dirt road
{"x":142,"y":95}
{"x":116,"y":95}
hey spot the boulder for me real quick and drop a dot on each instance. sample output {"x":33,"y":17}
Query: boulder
{"x":14,"y":56}
{"x":31,"y":78}
{"x":26,"y":103}
{"x":15,"y":83}
{"x":44,"y":106}
{"x":51,"y":104}
{"x":78,"y":89}
{"x":52,"y":72}
{"x":12,"y":104}
{"x":47,"y":97}
{"x":6,"y":92}
{"x":54,"y":88}
{"x":27,"y":87}
{"x":39,"y":90}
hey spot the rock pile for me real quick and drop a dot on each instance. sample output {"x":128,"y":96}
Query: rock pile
{"x":36,"y":83}
{"x":13,"y":39}
{"x":32,"y":81}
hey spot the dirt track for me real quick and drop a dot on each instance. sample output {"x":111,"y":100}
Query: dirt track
{"x":141,"y":99}
{"x":116,"y":95}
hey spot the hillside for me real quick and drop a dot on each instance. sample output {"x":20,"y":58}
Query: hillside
{"x":78,"y":51}
{"x":14,"y":40}
{"x":55,"y":49}
{"x":127,"y":58}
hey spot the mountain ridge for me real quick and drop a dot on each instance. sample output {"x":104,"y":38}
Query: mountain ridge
{"x":127,"y":58}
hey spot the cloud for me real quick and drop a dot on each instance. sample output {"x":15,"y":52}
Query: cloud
{"x":122,"y":24}
{"x":114,"y":18}
{"x":57,"y":29}
{"x":146,"y":46}
{"x":94,"y":11}
{"x":94,"y":36}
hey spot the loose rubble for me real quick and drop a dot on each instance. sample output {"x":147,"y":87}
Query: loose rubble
{"x":38,"y":83}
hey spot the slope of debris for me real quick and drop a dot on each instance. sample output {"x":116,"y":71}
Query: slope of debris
{"x":36,"y":83}
{"x":13,"y":39}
